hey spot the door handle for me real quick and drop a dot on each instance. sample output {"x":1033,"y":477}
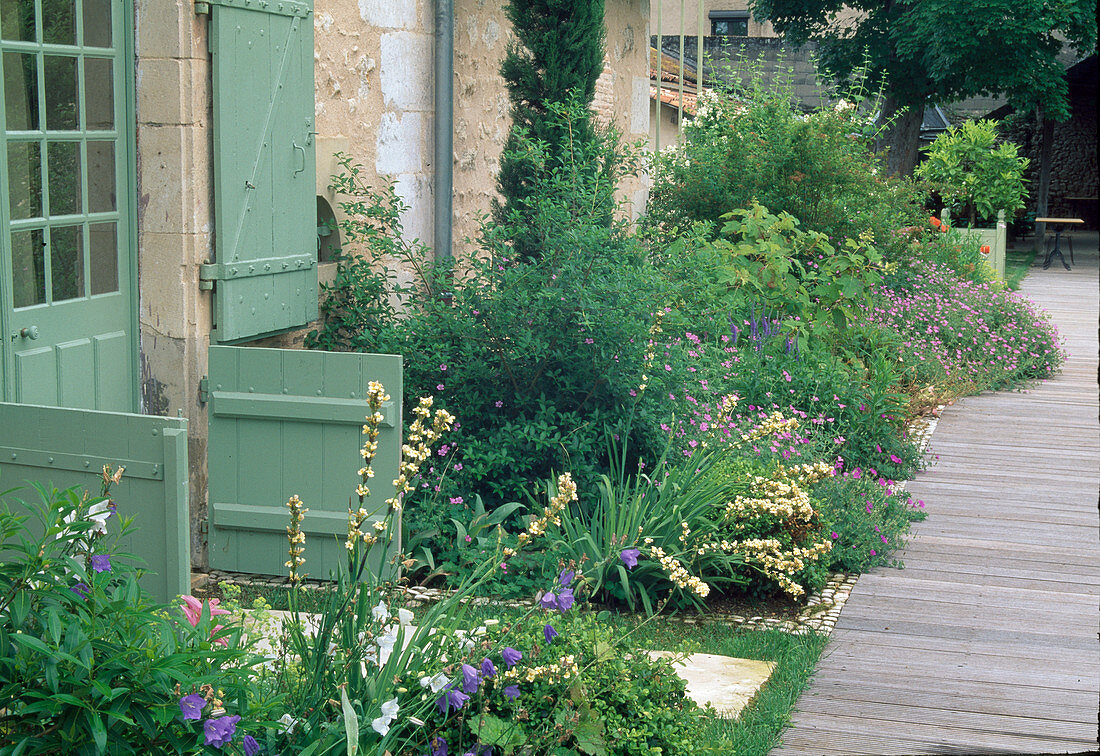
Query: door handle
{"x":303,"y":150}
{"x":30,"y":332}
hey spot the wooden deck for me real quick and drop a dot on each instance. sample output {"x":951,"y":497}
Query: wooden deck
{"x":987,"y":641}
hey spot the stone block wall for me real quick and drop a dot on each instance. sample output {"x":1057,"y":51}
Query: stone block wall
{"x":174,"y":190}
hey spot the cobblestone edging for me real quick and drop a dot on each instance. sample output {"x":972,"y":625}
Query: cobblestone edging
{"x":820,"y":614}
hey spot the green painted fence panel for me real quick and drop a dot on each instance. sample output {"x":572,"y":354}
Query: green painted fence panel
{"x":996,"y":238}
{"x":66,"y":447}
{"x":265,"y":272}
{"x":286,"y":422}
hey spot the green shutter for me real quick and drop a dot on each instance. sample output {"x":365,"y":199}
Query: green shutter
{"x":265,"y":269}
{"x":67,"y":447}
{"x":285,"y":422}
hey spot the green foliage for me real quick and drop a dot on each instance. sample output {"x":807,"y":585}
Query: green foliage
{"x":645,"y":511}
{"x":556,"y":58}
{"x":89,"y":664}
{"x":946,"y":49}
{"x":767,"y":260}
{"x":755,"y":145}
{"x":540,"y":357}
{"x":974,"y":173}
{"x":583,"y":692}
{"x":866,"y":518}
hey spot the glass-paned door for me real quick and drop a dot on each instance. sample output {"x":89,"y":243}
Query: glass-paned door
{"x":65,"y":188}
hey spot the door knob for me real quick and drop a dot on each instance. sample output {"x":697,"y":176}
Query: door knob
{"x":29,"y":333}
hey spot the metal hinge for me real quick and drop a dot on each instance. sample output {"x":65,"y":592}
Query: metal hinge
{"x":204,"y":526}
{"x":204,"y":390}
{"x":201,"y":8}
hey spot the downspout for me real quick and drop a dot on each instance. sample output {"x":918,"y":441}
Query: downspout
{"x":444,"y":127}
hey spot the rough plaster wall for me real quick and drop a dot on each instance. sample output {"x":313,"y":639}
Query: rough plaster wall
{"x":481,"y":119}
{"x":174,"y":224}
{"x":373,"y":71}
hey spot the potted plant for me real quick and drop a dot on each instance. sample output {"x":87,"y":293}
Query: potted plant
{"x":980,"y":181}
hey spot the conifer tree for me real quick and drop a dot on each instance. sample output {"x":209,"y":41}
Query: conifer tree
{"x":556,"y":58}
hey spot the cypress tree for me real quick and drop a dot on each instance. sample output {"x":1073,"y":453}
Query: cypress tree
{"x":556,"y":58}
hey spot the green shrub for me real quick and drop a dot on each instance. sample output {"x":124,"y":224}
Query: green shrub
{"x":766,"y":260}
{"x":974,"y":175}
{"x":581,"y":692}
{"x":755,"y":145}
{"x":866,"y":518}
{"x":541,"y":358}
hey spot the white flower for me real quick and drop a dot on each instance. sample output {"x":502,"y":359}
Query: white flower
{"x":404,"y":616}
{"x":288,"y":723}
{"x":381,"y":725}
{"x":436,"y":682}
{"x":385,"y":645}
{"x":390,"y":708}
{"x":380,"y":612}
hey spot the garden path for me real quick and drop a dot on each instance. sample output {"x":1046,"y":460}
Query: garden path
{"x":987,"y":640}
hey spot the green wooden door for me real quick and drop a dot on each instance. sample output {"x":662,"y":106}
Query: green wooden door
{"x":285,"y":422}
{"x":66,"y":300}
{"x":67,"y":447}
{"x":265,"y":272}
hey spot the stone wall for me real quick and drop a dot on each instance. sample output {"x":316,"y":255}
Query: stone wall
{"x":1073,"y":167}
{"x":174,"y":190}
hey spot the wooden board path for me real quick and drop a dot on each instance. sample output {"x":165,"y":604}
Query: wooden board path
{"x":987,"y":641}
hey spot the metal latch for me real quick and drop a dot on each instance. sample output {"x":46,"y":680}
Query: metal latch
{"x":204,"y":390}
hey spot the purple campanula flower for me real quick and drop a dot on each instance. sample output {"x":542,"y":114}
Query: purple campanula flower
{"x":630,"y":558}
{"x":192,"y":706}
{"x":487,"y":669}
{"x":80,"y":589}
{"x":512,"y":691}
{"x":439,"y":747}
{"x":511,"y":656}
{"x":548,"y":600}
{"x":470,"y":679}
{"x":101,"y":562}
{"x":251,"y":747}
{"x":220,"y":731}
{"x":451,"y":698}
{"x":566,"y":577}
{"x":565,"y":600}
{"x":549,"y":633}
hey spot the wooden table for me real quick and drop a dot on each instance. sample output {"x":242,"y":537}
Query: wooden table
{"x":1059,"y":225}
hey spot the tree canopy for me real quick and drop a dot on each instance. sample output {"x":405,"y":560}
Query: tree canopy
{"x":943,"y":50}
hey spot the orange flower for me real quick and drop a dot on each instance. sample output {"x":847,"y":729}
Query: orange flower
{"x":984,"y":249}
{"x":934,"y":221}
{"x":944,"y":228}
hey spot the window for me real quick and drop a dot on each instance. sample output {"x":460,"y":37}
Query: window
{"x":729,"y":23}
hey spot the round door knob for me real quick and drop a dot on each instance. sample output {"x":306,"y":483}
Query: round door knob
{"x":29,"y":333}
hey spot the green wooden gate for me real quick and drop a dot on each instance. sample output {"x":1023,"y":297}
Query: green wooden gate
{"x":66,"y":447}
{"x":285,"y":422}
{"x":265,"y":274}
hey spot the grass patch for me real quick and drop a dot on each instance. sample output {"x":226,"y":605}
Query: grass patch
{"x":1017,"y":263}
{"x":761,"y":724}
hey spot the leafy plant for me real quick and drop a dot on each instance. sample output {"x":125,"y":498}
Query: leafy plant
{"x":88,"y":662}
{"x":542,"y":357}
{"x":974,"y":173}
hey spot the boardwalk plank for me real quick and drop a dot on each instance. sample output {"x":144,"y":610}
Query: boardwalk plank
{"x":987,"y":641}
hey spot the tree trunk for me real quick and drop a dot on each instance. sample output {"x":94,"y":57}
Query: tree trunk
{"x":1042,"y":203}
{"x":903,"y":137}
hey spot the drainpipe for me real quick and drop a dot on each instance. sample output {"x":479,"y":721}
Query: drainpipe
{"x":444,"y":126}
